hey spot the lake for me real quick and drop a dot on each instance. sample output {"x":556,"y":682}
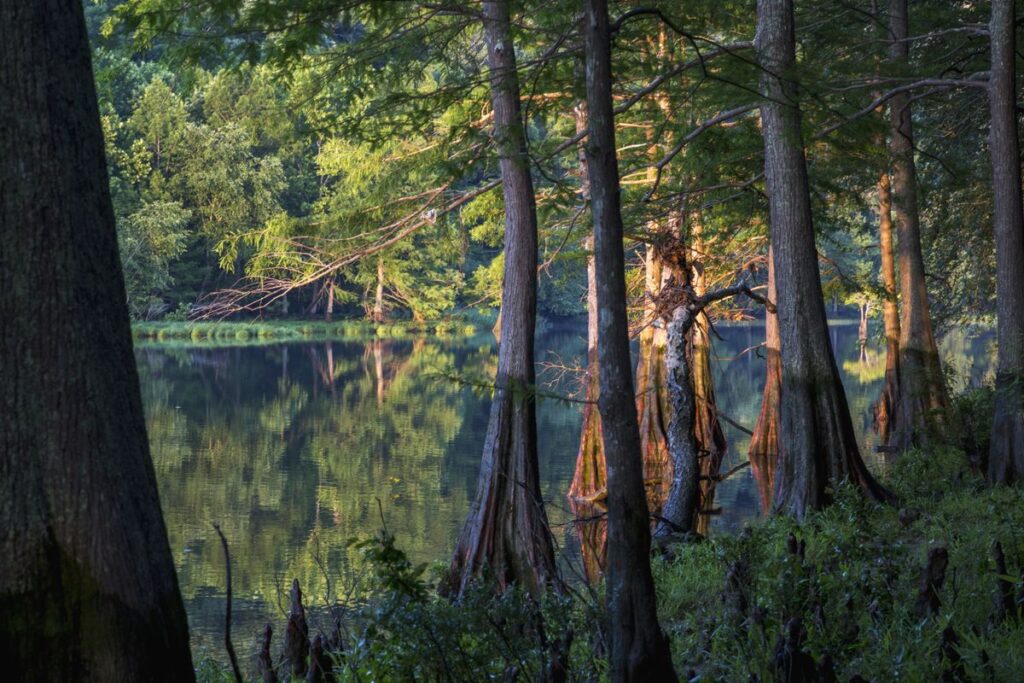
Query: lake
{"x":296,"y":448}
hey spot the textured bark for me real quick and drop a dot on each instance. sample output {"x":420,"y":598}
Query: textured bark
{"x":922,"y":402}
{"x":1006,"y":455}
{"x":817,"y":444}
{"x":507,"y":531}
{"x":707,"y":431}
{"x":764,"y":443}
{"x":890,"y":312}
{"x":639,"y":649}
{"x":588,"y":481}
{"x":680,"y":510}
{"x":88,"y":590}
{"x":651,"y":393}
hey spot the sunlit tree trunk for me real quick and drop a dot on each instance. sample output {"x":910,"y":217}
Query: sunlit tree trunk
{"x":507,"y":531}
{"x":1006,"y":455}
{"x":588,"y":480}
{"x":764,"y":443}
{"x":890,"y":311}
{"x":651,"y":393}
{"x":707,"y":431}
{"x":378,"y":315}
{"x":639,"y":649}
{"x":88,"y":590}
{"x":329,"y":308}
{"x":921,"y":404}
{"x":817,"y":444}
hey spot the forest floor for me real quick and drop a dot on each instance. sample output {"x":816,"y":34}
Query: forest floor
{"x":918,"y":591}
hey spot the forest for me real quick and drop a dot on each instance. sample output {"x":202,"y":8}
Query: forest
{"x":518,"y":340}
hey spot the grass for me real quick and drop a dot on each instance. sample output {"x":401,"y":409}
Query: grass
{"x":272,"y":332}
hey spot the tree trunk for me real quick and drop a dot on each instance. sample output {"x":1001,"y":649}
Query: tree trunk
{"x":884,"y":409}
{"x":329,"y":308}
{"x":764,"y":443}
{"x":817,"y":445}
{"x":378,"y":315}
{"x":651,"y":393}
{"x":1006,"y":454}
{"x":682,"y":505}
{"x":707,"y":431}
{"x":639,"y":649}
{"x":588,"y":480}
{"x":507,"y":530}
{"x":87,"y":583}
{"x":922,"y":403}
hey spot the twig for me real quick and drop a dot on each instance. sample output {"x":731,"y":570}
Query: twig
{"x":227,"y":615}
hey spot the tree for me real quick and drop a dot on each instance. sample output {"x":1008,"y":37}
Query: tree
{"x":639,"y":648}
{"x":890,"y":311}
{"x":922,"y":401}
{"x":764,"y":442}
{"x":1006,"y":455}
{"x":817,"y":444}
{"x":87,"y":583}
{"x":506,"y":530}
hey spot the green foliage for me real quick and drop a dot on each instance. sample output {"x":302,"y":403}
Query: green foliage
{"x":856,"y":587}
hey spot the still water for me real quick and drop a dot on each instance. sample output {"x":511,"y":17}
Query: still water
{"x":296,"y":448}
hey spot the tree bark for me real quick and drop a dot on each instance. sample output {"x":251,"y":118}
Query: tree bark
{"x":922,"y":402}
{"x":707,"y":431}
{"x":651,"y":392}
{"x":764,"y":443}
{"x":817,"y":444}
{"x":507,"y":530}
{"x":639,"y":648}
{"x":378,"y":315}
{"x":1006,"y":454}
{"x":679,"y":513}
{"x":588,"y":479}
{"x":885,"y":407}
{"x":87,"y":583}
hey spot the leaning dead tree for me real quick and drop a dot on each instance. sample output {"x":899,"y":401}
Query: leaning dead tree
{"x":678,"y":515}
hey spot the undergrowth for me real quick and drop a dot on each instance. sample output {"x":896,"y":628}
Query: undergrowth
{"x":844,"y":584}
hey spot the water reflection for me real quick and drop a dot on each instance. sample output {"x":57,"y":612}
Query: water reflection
{"x":290,"y":447}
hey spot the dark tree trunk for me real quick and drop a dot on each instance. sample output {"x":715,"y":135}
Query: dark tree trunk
{"x":87,"y":583}
{"x":885,"y":407}
{"x":921,"y":404}
{"x":639,"y":649}
{"x":817,"y":445}
{"x":764,"y":443}
{"x":1006,"y":455}
{"x":507,"y":530}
